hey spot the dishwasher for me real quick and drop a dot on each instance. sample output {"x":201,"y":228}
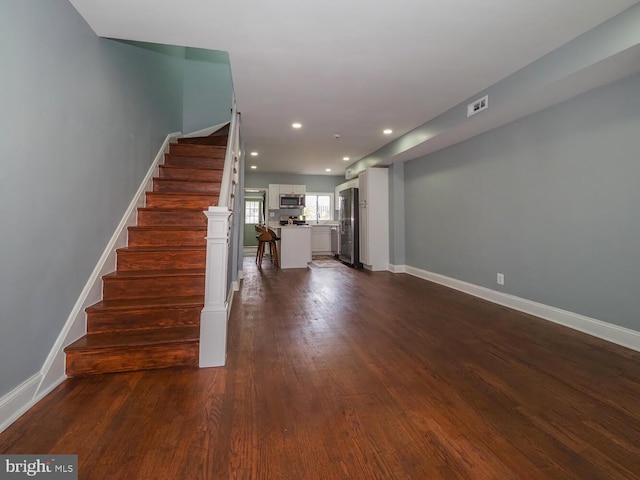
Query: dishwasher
{"x":335,"y":244}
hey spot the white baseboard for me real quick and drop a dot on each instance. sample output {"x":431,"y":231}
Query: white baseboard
{"x":397,"y":268}
{"x":23,"y":397}
{"x":18,"y":401}
{"x":591,"y":326}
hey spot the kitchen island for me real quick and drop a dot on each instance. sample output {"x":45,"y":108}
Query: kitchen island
{"x":295,"y":246}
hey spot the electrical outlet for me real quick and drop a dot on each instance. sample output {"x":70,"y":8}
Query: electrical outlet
{"x":500,"y":279}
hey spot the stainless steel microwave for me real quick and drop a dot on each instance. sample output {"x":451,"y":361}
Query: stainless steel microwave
{"x":291,"y":200}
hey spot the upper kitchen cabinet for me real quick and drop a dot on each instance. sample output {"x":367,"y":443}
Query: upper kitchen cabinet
{"x":373,"y":208}
{"x":274,"y":197}
{"x":275,"y":190}
{"x":289,"y":189}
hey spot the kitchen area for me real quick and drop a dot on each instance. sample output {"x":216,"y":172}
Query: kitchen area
{"x":301,"y":231}
{"x":313,"y":218}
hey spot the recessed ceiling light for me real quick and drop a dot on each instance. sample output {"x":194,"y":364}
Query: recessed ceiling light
{"x":296,"y":125}
{"x":387,"y":131}
{"x":253,"y":167}
{"x":254,"y":154}
{"x":346,"y":159}
{"x":327,"y":169}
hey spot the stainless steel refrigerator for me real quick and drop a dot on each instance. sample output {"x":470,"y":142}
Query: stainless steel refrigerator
{"x":348,"y":231}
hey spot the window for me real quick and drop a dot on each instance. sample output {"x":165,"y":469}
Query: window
{"x":253,"y":211}
{"x":319,"y":207}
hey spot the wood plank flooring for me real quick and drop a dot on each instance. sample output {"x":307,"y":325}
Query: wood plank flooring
{"x":335,"y":373}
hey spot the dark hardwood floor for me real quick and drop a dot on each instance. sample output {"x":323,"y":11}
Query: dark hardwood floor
{"x":335,"y":373}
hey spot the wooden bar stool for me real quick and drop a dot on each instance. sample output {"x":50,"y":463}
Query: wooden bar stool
{"x":273,"y":248}
{"x":267,"y":236}
{"x":262,"y":237}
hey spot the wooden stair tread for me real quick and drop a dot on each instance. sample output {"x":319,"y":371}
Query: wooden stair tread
{"x":182,"y":194}
{"x":170,"y":209}
{"x":135,"y":338}
{"x":169,"y":228}
{"x":151,"y":302}
{"x":180,"y":167}
{"x":163,"y":248}
{"x":177,"y":156}
{"x":155,"y":273}
{"x":185,"y":180}
{"x":196,"y":150}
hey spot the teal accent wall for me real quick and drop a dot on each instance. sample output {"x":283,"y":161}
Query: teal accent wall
{"x":550,"y":200}
{"x":208,"y":89}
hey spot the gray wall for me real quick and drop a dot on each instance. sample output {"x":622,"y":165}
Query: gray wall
{"x":397,"y":242}
{"x":314,"y":183}
{"x":550,"y":200}
{"x":205,"y":106}
{"x":81,"y":121}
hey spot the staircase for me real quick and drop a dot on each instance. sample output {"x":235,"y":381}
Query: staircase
{"x":150,"y":313}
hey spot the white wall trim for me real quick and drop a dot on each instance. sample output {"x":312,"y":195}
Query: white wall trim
{"x":18,"y":401}
{"x":591,"y":326}
{"x":52,"y":374}
{"x":397,"y":268}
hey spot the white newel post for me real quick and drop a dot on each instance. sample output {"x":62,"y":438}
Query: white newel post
{"x":213,"y":319}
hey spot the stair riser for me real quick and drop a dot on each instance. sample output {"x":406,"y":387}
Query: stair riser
{"x":158,"y":238}
{"x":163,"y":200}
{"x":194,"y":162}
{"x":149,"y":218}
{"x":195,"y":150}
{"x":142,"y":319}
{"x":165,"y":185}
{"x":196,"y":174}
{"x":149,"y":287}
{"x":126,"y":359}
{"x":132,"y":260}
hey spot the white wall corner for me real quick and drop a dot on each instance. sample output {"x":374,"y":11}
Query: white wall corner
{"x":597,"y":328}
{"x":397,"y":268}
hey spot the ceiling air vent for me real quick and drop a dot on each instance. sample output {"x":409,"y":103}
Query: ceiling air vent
{"x":478,"y":105}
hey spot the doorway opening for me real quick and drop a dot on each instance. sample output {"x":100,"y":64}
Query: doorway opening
{"x":254,"y":214}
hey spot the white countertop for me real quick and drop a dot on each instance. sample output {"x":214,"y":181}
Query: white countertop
{"x":275,"y":225}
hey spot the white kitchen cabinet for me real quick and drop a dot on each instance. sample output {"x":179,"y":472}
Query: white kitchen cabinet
{"x":293,"y":189}
{"x":321,"y":239}
{"x":295,"y":246}
{"x":274,"y":196}
{"x":373,"y":207}
{"x":276,"y":189}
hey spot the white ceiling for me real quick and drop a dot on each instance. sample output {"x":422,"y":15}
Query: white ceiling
{"x":351,"y":67}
